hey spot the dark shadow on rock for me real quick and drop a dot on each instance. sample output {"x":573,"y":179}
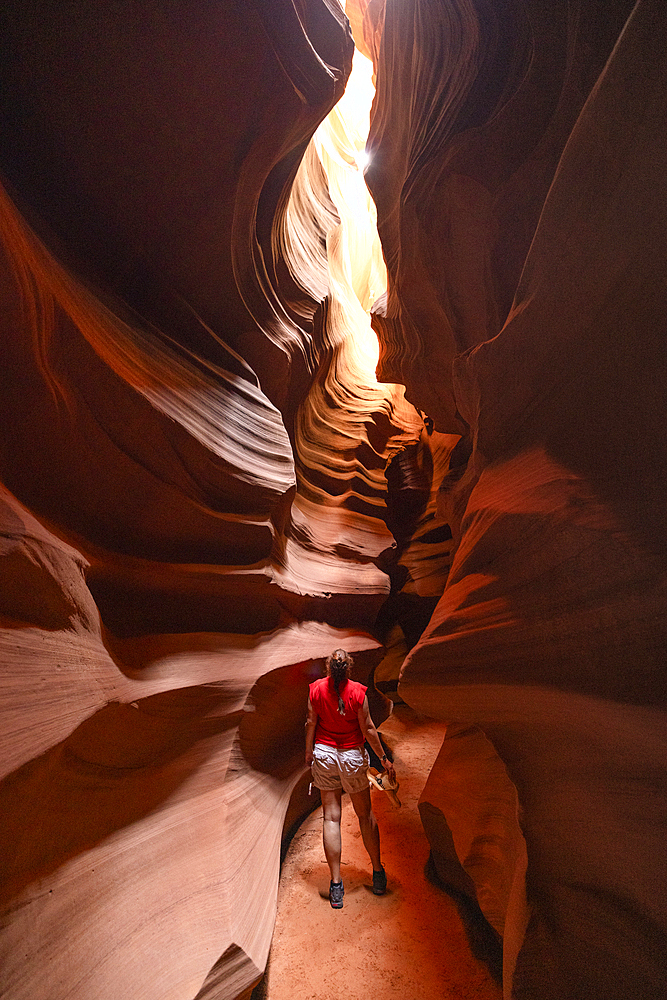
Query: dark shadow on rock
{"x":410,"y":611}
{"x":261,"y":991}
{"x":228,"y":975}
{"x":272,"y":735}
{"x":485,"y":943}
{"x":304,"y":800}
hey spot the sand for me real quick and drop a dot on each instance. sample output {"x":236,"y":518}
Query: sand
{"x":410,"y":943}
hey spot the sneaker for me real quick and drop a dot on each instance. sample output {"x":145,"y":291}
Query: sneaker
{"x":336,"y":893}
{"x":379,"y":882}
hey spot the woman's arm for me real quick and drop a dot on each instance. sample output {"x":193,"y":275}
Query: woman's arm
{"x":311,"y":723}
{"x":370,"y":733}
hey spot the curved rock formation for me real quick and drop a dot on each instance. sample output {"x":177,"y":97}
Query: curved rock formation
{"x":550,"y":634}
{"x":206,"y":487}
{"x":475,"y":103}
{"x":140,"y":816}
{"x":168,"y":349}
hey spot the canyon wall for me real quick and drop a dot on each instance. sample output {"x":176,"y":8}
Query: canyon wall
{"x":206,"y":488}
{"x":192,"y":457}
{"x":520,"y":183}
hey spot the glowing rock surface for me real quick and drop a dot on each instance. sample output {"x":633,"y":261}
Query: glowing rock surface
{"x":203,"y":476}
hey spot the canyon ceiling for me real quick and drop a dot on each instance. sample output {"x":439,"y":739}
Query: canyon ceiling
{"x":206,"y":488}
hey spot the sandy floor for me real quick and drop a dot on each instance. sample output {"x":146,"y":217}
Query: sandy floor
{"x":409,"y":944}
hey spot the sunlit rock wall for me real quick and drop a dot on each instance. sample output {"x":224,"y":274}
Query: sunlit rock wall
{"x":142,"y":814}
{"x":206,"y":488}
{"x":521,"y":205}
{"x":193,"y":453}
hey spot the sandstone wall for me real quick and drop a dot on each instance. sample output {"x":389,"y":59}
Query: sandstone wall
{"x":195,"y":507}
{"x":180,"y":548}
{"x":550,"y":634}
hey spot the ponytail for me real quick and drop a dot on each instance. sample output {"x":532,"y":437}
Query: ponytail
{"x":338,"y":668}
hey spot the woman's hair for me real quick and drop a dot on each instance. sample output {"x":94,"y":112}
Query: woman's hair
{"x":338,"y":666}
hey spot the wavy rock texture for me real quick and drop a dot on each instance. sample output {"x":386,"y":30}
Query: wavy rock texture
{"x":470,"y":812}
{"x":143,"y":809}
{"x":194,"y":449}
{"x":550,"y":635}
{"x":206,"y":488}
{"x":340,"y":435}
{"x":475,"y":102}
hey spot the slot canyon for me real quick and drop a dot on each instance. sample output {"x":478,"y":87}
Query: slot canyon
{"x":329,"y":325}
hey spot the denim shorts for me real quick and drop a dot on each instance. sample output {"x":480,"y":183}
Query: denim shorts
{"x":334,"y":768}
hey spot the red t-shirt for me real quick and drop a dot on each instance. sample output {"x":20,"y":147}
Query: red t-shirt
{"x":334,"y":729}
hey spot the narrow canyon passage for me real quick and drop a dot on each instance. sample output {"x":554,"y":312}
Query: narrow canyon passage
{"x":410,"y":943}
{"x":242,"y":425}
{"x":407,"y":945}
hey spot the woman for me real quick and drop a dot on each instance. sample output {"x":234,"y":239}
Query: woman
{"x":338,"y":724}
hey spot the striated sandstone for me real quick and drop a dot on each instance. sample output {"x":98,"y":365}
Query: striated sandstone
{"x":550,"y":634}
{"x":206,"y":487}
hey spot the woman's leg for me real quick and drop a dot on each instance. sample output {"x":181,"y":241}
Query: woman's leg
{"x":368,"y":825}
{"x":331,"y":829}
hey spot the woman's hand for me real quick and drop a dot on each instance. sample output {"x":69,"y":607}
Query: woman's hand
{"x":389,"y":768}
{"x":309,"y":759}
